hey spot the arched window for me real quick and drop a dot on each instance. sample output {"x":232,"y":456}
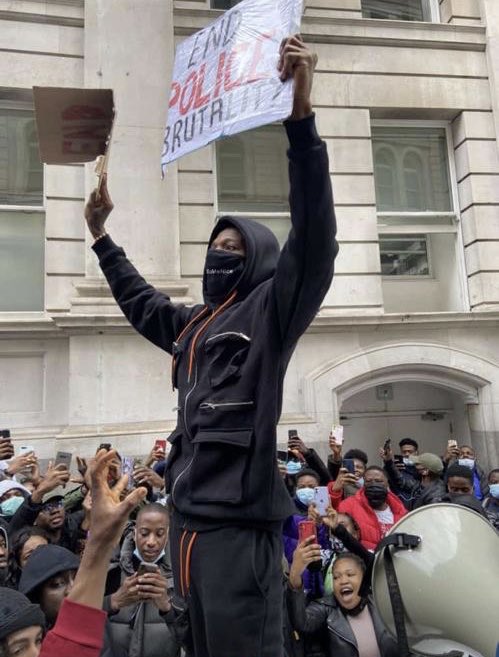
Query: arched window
{"x":414,"y":187}
{"x":385,"y":175}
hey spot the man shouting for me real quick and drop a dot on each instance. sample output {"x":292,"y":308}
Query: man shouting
{"x":229,"y":357}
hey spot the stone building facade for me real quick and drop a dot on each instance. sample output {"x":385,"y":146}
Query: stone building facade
{"x":407,"y":341}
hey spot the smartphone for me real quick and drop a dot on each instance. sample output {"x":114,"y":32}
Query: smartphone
{"x":26,"y":449}
{"x":387,"y":445}
{"x":127,"y":465}
{"x":147,"y":568}
{"x":5,"y":433}
{"x":451,"y":443}
{"x":160,"y":444}
{"x":337,"y":432}
{"x":106,"y":446}
{"x":321,"y":499}
{"x":292,"y":433}
{"x":349,"y":465}
{"x":63,"y":458}
{"x":282,"y":455}
{"x":306,"y":528}
{"x":399,"y":459}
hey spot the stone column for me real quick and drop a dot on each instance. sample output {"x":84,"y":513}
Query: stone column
{"x":129,"y":48}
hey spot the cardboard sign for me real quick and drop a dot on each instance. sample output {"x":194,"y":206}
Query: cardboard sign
{"x":225,"y":78}
{"x":73,"y":125}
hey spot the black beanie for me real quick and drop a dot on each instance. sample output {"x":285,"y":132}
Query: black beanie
{"x":17,"y":612}
{"x":45,"y":562}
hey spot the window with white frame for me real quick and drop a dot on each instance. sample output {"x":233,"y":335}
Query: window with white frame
{"x":252,"y":177}
{"x":406,"y":10}
{"x":22,"y":222}
{"x":417,"y":219}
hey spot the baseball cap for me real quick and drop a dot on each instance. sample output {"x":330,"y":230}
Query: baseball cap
{"x":430,"y":461}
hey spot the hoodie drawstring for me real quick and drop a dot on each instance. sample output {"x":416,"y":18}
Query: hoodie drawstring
{"x":203,"y":327}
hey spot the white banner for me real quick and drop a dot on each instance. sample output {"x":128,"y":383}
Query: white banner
{"x":225,"y":78}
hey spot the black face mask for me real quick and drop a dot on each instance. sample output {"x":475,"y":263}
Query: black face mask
{"x":222,"y":271}
{"x":376,"y":494}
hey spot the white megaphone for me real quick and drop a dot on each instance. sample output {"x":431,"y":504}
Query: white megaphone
{"x":449,"y":583}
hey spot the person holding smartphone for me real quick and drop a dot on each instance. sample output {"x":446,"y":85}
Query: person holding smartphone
{"x":228,"y":500}
{"x":139,"y":587}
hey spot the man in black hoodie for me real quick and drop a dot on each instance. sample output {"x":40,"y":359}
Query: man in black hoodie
{"x":229,"y":360}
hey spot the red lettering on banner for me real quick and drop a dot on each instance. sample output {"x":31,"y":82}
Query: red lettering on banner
{"x":191,"y":80}
{"x":253,"y":75}
{"x":220,"y":74}
{"x":175,"y":94}
{"x":199,"y":99}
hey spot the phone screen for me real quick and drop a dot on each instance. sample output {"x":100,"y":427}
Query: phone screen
{"x":337,"y":433}
{"x":321,"y":499}
{"x":63,"y":458}
{"x":160,"y":444}
{"x":306,"y":528}
{"x":292,"y":433}
{"x":147,"y":568}
{"x":349,"y":465}
{"x":282,"y":455}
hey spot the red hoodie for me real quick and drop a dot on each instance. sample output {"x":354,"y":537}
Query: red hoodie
{"x":78,"y":632}
{"x":370,"y":530}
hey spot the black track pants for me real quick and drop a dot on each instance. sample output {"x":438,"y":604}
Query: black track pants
{"x":231,"y":579}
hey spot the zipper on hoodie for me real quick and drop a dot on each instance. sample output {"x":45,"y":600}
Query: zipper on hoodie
{"x":243,"y":336}
{"x":212,"y":406}
{"x":181,"y":474}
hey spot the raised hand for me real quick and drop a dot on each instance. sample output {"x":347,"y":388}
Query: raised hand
{"x":298,"y":62}
{"x":305,"y":553}
{"x":343,"y":479}
{"x":98,"y":209}
{"x":143,"y":475}
{"x":335,"y":448}
{"x":55,"y":476}
{"x":22,"y":462}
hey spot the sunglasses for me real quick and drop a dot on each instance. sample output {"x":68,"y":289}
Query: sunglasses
{"x":53,"y":506}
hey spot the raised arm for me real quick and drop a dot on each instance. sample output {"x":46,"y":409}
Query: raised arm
{"x":149,"y":311}
{"x":306,"y":266}
{"x":79,"y":629}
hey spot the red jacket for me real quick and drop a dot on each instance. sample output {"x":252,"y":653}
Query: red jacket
{"x":358,"y":507}
{"x":78,"y":632}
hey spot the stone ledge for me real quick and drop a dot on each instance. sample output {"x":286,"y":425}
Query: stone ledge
{"x":33,"y":325}
{"x":360,"y":31}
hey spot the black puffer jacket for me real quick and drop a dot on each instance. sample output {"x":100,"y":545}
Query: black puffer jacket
{"x":340,"y":637}
{"x":138,"y":630}
{"x":222,"y":466}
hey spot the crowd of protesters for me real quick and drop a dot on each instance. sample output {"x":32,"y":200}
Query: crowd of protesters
{"x":46,"y":526}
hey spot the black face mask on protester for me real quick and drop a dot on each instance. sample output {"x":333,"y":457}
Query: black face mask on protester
{"x":222,"y":272}
{"x":376,"y":494}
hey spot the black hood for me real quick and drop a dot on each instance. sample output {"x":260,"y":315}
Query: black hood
{"x":262,"y":252}
{"x":45,"y":562}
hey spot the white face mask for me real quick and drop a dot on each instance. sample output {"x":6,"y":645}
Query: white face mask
{"x":468,"y":463}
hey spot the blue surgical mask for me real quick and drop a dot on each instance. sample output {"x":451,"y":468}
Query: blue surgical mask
{"x":10,"y":506}
{"x":139,"y":556}
{"x":360,"y":482}
{"x":407,"y":461}
{"x":293,"y":467}
{"x":305,"y":495}
{"x":468,"y":463}
{"x":494,"y":490}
